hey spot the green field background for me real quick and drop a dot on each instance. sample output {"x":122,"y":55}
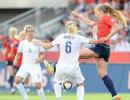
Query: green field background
{"x":5,"y":96}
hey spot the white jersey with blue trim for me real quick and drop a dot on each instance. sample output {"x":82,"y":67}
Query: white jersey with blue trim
{"x":29,"y":51}
{"x":70,"y":45}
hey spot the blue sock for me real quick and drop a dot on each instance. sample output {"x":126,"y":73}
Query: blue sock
{"x":109,"y":84}
{"x":11,"y":81}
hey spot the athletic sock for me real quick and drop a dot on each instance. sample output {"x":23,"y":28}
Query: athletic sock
{"x":11,"y":81}
{"x":109,"y":84}
{"x":54,"y":66}
{"x":57,"y":88}
{"x":80,"y":93}
{"x":40,"y":93}
{"x":22,"y":91}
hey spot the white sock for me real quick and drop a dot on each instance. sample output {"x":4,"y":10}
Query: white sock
{"x":57,"y":88}
{"x":80,"y":93}
{"x":40,"y":93}
{"x":22,"y":91}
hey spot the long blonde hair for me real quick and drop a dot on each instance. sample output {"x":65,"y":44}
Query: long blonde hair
{"x":114,"y":13}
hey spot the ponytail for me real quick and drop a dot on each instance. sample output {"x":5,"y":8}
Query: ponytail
{"x":114,"y":13}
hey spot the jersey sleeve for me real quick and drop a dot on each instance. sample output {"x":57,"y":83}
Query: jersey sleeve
{"x":41,"y":49}
{"x":109,"y":20}
{"x":57,"y":40}
{"x":83,"y":39}
{"x":20,"y":50}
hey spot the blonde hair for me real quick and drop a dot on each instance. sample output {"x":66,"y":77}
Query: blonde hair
{"x":114,"y":13}
{"x":68,"y":26}
{"x":13,"y":29}
{"x":12,"y":32}
{"x":26,"y":27}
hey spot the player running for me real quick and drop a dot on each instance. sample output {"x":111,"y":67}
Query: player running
{"x":104,"y":29}
{"x":21,"y":36}
{"x":10,"y":50}
{"x":32,"y":55}
{"x":68,"y":66}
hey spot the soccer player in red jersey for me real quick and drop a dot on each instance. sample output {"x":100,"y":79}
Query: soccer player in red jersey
{"x":12,"y":44}
{"x":110,"y":21}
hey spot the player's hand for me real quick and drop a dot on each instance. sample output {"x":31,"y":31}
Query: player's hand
{"x":38,"y":60}
{"x":103,"y":39}
{"x":92,"y":41}
{"x":74,"y":14}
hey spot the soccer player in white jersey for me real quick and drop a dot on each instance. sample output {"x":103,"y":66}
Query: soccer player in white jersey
{"x":32,"y":55}
{"x":68,"y":65}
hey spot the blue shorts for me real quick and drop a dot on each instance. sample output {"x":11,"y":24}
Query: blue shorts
{"x":102,"y":50}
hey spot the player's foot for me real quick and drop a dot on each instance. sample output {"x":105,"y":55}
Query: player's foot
{"x":27,"y":90}
{"x":12,"y":91}
{"x":117,"y":97}
{"x":49,"y":67}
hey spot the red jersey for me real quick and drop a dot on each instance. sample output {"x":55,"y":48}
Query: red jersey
{"x":13,"y":49}
{"x":5,"y":46}
{"x":104,"y":27}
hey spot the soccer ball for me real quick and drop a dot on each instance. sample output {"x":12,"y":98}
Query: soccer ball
{"x":67,"y":84}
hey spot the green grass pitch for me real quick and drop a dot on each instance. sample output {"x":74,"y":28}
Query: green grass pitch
{"x":65,"y":97}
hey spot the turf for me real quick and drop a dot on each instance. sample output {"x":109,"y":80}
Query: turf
{"x":65,"y":97}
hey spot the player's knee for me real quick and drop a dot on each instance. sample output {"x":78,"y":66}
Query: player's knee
{"x":81,"y":84}
{"x":102,"y":74}
{"x":38,"y":85}
{"x":18,"y":80}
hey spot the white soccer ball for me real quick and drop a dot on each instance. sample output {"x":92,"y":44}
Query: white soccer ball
{"x":67,"y":85}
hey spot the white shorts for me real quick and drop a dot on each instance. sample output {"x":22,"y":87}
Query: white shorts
{"x":33,"y":71}
{"x":74,"y":75}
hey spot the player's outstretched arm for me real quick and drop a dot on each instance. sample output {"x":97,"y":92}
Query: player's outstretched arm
{"x":92,"y":41}
{"x":40,"y":59}
{"x":44,"y":45}
{"x":115,"y":28}
{"x":82,"y":18}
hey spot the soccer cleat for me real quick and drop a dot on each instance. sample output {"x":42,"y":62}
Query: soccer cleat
{"x":117,"y":97}
{"x":12,"y":91}
{"x":49,"y":67}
